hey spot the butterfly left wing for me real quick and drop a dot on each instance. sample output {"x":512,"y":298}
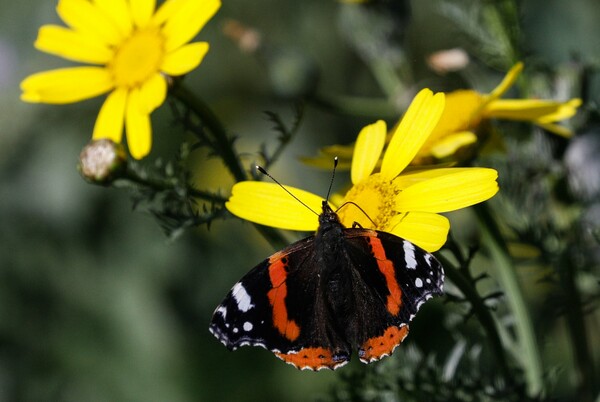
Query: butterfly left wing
{"x":245,"y":316}
{"x":263,"y":309}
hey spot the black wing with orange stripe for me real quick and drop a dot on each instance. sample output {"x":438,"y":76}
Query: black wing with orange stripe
{"x":411,"y":275}
{"x":254,"y":311}
{"x":280,"y":306}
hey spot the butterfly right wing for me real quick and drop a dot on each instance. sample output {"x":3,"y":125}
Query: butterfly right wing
{"x":398,"y":277}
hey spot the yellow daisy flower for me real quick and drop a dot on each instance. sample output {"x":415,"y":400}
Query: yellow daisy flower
{"x":465,"y":111}
{"x":405,"y":203}
{"x":132,"y":48}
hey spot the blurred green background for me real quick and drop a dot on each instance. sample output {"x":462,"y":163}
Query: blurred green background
{"x":96,"y":304}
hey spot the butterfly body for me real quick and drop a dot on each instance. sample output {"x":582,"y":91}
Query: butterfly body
{"x":317,"y":300}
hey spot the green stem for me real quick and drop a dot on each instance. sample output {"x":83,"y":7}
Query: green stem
{"x":212,"y":122}
{"x":159,"y":184}
{"x":355,"y":106}
{"x":584,"y":367}
{"x":507,"y":276}
{"x":481,"y":312}
{"x":385,"y":74}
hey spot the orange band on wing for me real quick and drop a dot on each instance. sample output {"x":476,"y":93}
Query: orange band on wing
{"x":277,"y":295}
{"x":379,"y":346}
{"x":312,"y":358}
{"x":394,"y":299}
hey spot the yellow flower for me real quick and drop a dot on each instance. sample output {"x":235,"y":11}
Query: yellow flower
{"x":405,"y":203}
{"x":132,"y":48}
{"x":465,"y":111}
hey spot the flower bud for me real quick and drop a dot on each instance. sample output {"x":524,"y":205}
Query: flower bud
{"x":448,"y":61}
{"x":100,"y":161}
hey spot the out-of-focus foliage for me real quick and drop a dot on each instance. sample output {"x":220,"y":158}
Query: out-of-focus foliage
{"x":98,"y":304}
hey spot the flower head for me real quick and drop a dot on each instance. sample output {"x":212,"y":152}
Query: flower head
{"x":463,"y":115}
{"x":405,"y":203}
{"x":467,"y":109}
{"x":131,"y":49}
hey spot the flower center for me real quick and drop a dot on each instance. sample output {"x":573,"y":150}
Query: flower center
{"x":138,"y":58}
{"x":376,"y":197}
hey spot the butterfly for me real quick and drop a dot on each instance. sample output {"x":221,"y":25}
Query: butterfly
{"x":316,"y":301}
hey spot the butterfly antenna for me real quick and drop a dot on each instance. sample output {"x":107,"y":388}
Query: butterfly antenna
{"x":335,"y":163}
{"x":263,"y":171}
{"x":359,"y":208}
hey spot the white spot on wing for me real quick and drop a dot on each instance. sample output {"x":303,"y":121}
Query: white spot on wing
{"x":419,"y":282}
{"x":248,"y":326}
{"x":223,"y":311}
{"x":409,"y":255}
{"x":428,"y":259}
{"x":244,"y":302}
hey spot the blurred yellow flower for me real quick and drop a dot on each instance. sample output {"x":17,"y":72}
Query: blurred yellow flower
{"x":132,"y":48}
{"x":466,"y":109}
{"x":464,"y":112}
{"x":405,"y":203}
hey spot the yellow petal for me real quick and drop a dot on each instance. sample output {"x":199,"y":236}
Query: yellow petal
{"x":72,"y":45}
{"x":85,"y":17}
{"x":427,"y":230}
{"x":461,"y":113}
{"x":532,"y":109}
{"x":564,"y":110}
{"x":325,"y":157}
{"x":336,"y":199}
{"x":66,"y":85}
{"x":184,"y":59}
{"x":506,"y":83}
{"x":268,"y":204}
{"x":448,"y":192}
{"x":367,"y":150}
{"x":417,"y":124}
{"x":324,"y":162}
{"x":451,"y":143}
{"x":141,"y":11}
{"x":118,"y":12}
{"x":165,"y":11}
{"x":153,"y":92}
{"x":557,"y":129}
{"x":185,"y":22}
{"x":137,"y":122}
{"x":413,"y":176}
{"x":109,"y":123}
{"x":341,"y":151}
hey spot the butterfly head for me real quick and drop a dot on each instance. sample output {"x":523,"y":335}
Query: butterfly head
{"x":328,"y":216}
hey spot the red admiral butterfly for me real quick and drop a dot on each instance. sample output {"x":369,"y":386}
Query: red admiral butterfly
{"x":316,"y":300}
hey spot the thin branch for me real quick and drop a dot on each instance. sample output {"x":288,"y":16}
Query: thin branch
{"x":161,"y":185}
{"x":222,"y":142}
